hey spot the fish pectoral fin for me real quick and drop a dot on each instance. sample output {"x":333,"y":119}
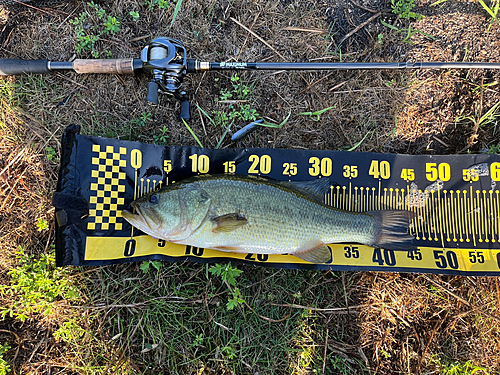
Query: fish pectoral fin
{"x":228,"y":222}
{"x":318,"y":254}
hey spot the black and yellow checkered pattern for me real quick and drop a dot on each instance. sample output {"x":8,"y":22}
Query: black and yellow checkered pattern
{"x":104,"y":201}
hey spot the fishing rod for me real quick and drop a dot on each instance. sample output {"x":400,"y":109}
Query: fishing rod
{"x":165,"y":60}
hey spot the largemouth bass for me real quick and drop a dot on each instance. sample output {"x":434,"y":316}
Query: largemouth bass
{"x":249,"y":214}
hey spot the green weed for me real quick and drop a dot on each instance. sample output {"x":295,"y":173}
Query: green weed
{"x":145,"y":266}
{"x":112,"y":25}
{"x":4,"y":366}
{"x":162,"y":138}
{"x":176,"y":11}
{"x":135,"y":15}
{"x":228,"y":275}
{"x":226,"y":272}
{"x":467,"y":368}
{"x":380,"y":39}
{"x":235,"y":300}
{"x":51,"y":153}
{"x":315,"y":116}
{"x":403,"y":9}
{"x":409,"y":32}
{"x":480,"y":120}
{"x":69,"y":331}
{"x":42,"y":224}
{"x":35,"y":285}
{"x":438,"y":2}
{"x":89,"y":27}
{"x":340,"y":365}
{"x":161,"y":4}
{"x":236,"y":111}
{"x":192,"y":133}
{"x":494,"y":149}
{"x":142,"y":120}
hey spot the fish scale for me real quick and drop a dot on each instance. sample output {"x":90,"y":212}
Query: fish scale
{"x":278,"y":219}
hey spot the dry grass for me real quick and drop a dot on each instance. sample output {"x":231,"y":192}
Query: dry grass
{"x":387,"y":323}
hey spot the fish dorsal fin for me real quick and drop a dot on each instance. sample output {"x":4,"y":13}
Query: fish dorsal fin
{"x":228,"y":222}
{"x":315,"y":189}
{"x":318,"y":254}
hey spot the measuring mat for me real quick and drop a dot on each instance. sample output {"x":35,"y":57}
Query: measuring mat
{"x":455,"y":200}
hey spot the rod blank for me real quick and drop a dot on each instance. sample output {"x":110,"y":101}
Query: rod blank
{"x":344,"y":66}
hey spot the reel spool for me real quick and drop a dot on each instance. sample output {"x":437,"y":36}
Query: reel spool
{"x":166,"y":60}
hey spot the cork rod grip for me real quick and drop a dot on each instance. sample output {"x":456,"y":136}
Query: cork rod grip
{"x":118,"y":66}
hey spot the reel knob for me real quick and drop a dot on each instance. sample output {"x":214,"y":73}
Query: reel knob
{"x":152,"y":97}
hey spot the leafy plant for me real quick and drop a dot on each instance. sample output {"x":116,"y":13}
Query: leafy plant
{"x":35,"y":285}
{"x":239,"y":110}
{"x":162,"y":4}
{"x":161,"y":139}
{"x":112,"y":25}
{"x":69,"y":331}
{"x":403,"y":9}
{"x":4,"y":366}
{"x":135,"y":15}
{"x":237,"y":298}
{"x":467,"y":368}
{"x":142,"y":120}
{"x":380,"y":39}
{"x":229,"y":275}
{"x":51,"y":153}
{"x":89,"y":28}
{"x":98,"y":10}
{"x":145,"y":266}
{"x":42,"y":224}
{"x":198,"y":341}
{"x":226,"y":272}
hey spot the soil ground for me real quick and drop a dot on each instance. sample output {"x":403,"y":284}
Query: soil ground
{"x":174,"y":319}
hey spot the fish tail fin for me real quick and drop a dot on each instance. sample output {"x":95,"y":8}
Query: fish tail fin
{"x":392,"y":231}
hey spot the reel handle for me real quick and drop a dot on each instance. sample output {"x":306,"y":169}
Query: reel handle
{"x":185,"y":110}
{"x":152,"y":97}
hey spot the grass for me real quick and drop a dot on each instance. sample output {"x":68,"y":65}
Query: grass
{"x":492,"y":11}
{"x":195,"y":319}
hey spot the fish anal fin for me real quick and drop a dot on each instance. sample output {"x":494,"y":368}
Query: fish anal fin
{"x":318,"y":254}
{"x":228,"y":222}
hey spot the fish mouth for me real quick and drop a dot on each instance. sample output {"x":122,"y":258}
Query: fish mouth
{"x":144,"y":220}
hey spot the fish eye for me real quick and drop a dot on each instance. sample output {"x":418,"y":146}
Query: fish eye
{"x":154,"y":199}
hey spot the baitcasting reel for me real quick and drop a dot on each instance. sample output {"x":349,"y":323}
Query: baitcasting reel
{"x":166,"y":60}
